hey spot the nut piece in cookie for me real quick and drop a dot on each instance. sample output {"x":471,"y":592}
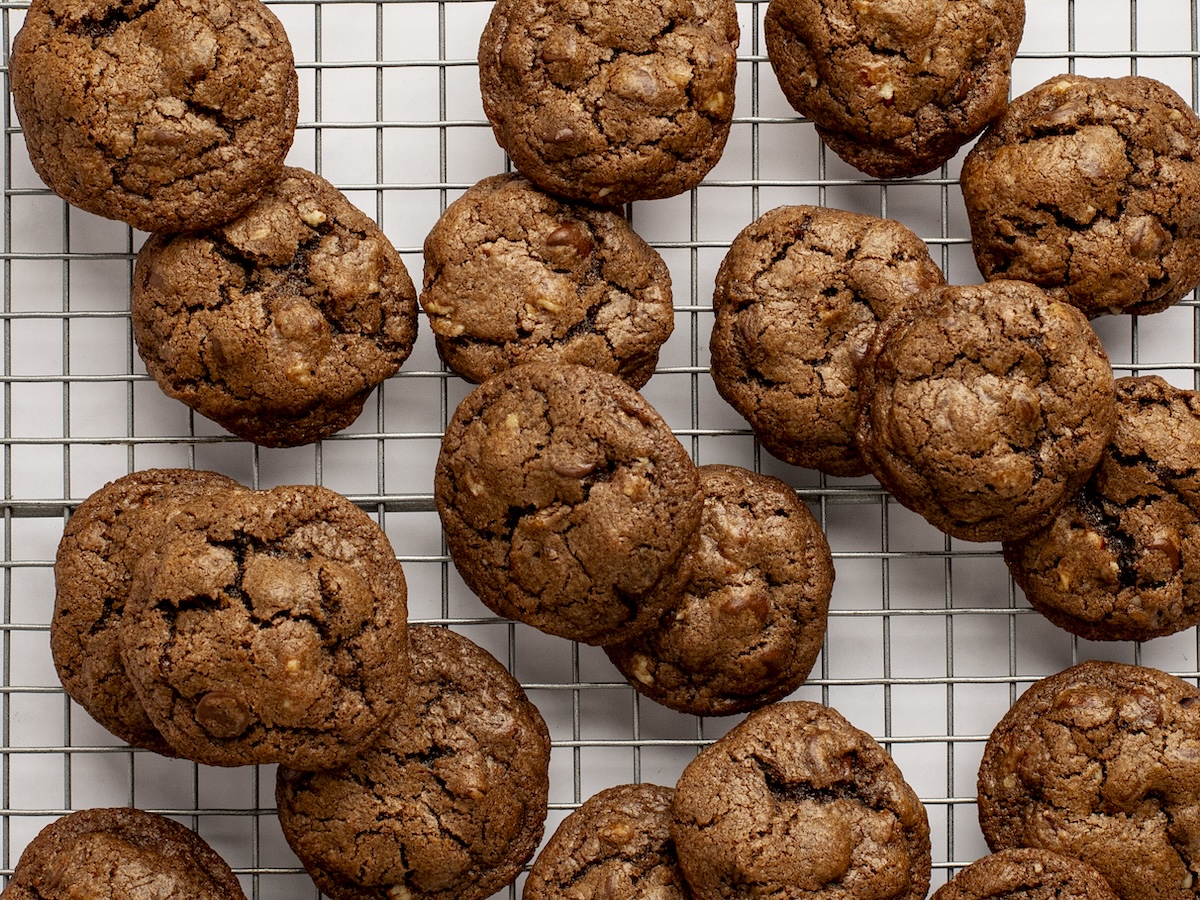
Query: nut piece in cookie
{"x":513,"y":275}
{"x":566,"y":501}
{"x":269,"y":626}
{"x":617,"y":844}
{"x":798,"y":298}
{"x":120,"y":853}
{"x":278,"y":324}
{"x":102,"y":544}
{"x":795,"y":801}
{"x":1026,"y":873}
{"x":895,"y":87}
{"x":450,"y":801}
{"x":168,"y":115}
{"x":1121,"y":560}
{"x":613,"y":100}
{"x":1101,"y":762}
{"x":749,"y":624}
{"x":1089,"y":187}
{"x":985,"y":407}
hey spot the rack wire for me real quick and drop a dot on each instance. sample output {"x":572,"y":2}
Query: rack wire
{"x":928,"y":641}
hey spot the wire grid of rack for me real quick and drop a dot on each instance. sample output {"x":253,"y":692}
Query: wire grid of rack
{"x":928,"y":642}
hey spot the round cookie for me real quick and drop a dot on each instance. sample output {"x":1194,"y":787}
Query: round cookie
{"x":513,"y":275}
{"x":1101,"y":762}
{"x":1026,"y":874}
{"x":269,"y":626}
{"x":895,"y":87}
{"x":614,"y":100}
{"x":448,"y":804}
{"x":168,"y":115}
{"x":1121,"y":561}
{"x":750,"y":622}
{"x":798,"y":298}
{"x":1090,"y":188}
{"x":796,"y":802}
{"x":278,"y":324}
{"x":102,"y":542}
{"x":616,"y":844}
{"x":985,"y":407}
{"x":120,"y":854}
{"x":566,"y":501}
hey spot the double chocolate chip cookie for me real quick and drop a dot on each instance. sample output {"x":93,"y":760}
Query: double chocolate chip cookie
{"x":613,"y":100}
{"x":268,"y":626}
{"x":1089,"y":187}
{"x":1026,"y":874}
{"x":1101,"y":762}
{"x":276,"y":325}
{"x":795,"y":801}
{"x":984,"y":408}
{"x":566,"y":501}
{"x":513,"y":274}
{"x":448,"y":804}
{"x":1121,"y":561}
{"x":168,"y":115}
{"x":120,"y":853}
{"x":798,"y":298}
{"x":895,"y":87}
{"x":750,"y":621}
{"x":102,"y":544}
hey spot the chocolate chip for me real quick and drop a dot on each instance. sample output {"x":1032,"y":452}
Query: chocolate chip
{"x":572,"y":236}
{"x":222,"y":714}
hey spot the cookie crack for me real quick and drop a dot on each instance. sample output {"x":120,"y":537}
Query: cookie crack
{"x":106,"y":22}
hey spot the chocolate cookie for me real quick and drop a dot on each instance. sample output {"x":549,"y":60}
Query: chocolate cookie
{"x":798,"y":297}
{"x":450,"y":801}
{"x":895,"y":87}
{"x":1089,"y":187}
{"x":1026,"y":874}
{"x":617,"y":844}
{"x":278,"y":324}
{"x":795,"y":802}
{"x":120,"y":854}
{"x":102,"y":542}
{"x":1101,"y":762}
{"x":165,"y":114}
{"x":614,"y":100}
{"x":269,"y":626}
{"x":1121,"y":561}
{"x":750,"y":622}
{"x":985,"y":407}
{"x":566,"y":501}
{"x":513,"y":275}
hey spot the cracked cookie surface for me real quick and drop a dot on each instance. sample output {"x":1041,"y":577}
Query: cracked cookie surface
{"x":102,"y":543}
{"x":796,"y":802}
{"x":513,"y":274}
{"x":616,"y":844}
{"x":448,"y":804}
{"x":751,"y":619}
{"x":120,"y":853}
{"x":269,"y":626}
{"x":165,"y":114}
{"x":1101,"y":762}
{"x":1121,"y":560}
{"x":1026,"y":874}
{"x":798,"y":298}
{"x":566,"y":501}
{"x":278,"y":324}
{"x":614,"y":100}
{"x":895,"y":87}
{"x":1090,"y":187}
{"x":985,"y":407}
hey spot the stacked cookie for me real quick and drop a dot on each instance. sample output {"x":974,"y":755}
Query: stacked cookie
{"x":264,"y":300}
{"x":792,"y":802}
{"x":568,"y":504}
{"x":229,"y":626}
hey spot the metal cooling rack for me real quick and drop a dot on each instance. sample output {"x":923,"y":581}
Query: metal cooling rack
{"x":928,"y":641}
